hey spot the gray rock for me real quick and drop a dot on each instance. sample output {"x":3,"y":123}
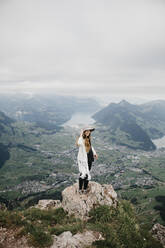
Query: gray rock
{"x":79,"y":240}
{"x":81,"y":204}
{"x":3,"y":207}
{"x":48,"y":204}
{"x":158,"y":232}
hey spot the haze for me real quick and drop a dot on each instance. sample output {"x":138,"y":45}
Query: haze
{"x":83,"y":47}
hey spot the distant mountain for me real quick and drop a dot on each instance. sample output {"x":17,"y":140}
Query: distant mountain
{"x":47,"y":111}
{"x":45,"y":114}
{"x":133,"y":125}
{"x":6,"y":131}
{"x":154,"y":110}
{"x":5,"y":122}
{"x":14,"y":134}
{"x":6,"y":128}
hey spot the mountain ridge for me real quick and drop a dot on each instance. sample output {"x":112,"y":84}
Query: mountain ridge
{"x":6,"y":130}
{"x":141,"y":123}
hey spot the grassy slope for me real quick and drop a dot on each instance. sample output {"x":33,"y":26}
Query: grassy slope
{"x":119,"y":226}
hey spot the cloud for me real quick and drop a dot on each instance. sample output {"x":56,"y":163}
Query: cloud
{"x":83,"y":46}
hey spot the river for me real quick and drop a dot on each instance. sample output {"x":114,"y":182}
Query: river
{"x":80,"y":119}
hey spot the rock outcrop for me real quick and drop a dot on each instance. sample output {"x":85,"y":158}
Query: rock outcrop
{"x":81,"y":204}
{"x":3,"y":206}
{"x":48,"y":204}
{"x":158,"y":232}
{"x":67,"y":240}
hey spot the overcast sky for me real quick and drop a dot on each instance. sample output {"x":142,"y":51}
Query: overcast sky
{"x":83,"y":47}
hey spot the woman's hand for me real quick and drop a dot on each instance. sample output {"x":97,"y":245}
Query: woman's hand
{"x":81,"y":133}
{"x":95,"y":156}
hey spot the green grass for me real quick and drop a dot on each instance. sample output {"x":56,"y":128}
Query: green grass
{"x":39,"y":225}
{"x":119,"y":226}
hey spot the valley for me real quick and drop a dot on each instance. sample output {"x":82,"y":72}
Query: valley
{"x":42,"y":162}
{"x":136,"y":175}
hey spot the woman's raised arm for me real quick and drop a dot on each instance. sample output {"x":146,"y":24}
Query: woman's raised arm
{"x":79,"y":140}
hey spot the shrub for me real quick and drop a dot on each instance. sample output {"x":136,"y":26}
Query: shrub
{"x":38,"y":237}
{"x":9,"y":219}
{"x":49,"y":216}
{"x":73,"y":228}
{"x":102,"y":214}
{"x":120,"y":228}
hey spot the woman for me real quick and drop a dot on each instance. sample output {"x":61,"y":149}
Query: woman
{"x":86,"y":155}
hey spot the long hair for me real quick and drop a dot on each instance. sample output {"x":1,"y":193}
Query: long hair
{"x":84,"y":135}
{"x":87,"y":141}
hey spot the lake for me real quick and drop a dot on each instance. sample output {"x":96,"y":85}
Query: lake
{"x":80,"y":119}
{"x":159,"y":142}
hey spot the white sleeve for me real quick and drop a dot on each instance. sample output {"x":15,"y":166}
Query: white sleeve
{"x":94,"y":152}
{"x":80,"y":141}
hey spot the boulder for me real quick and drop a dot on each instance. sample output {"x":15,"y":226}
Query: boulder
{"x":3,"y":206}
{"x":48,"y":204}
{"x":158,"y":232}
{"x":81,"y":204}
{"x":67,"y":240}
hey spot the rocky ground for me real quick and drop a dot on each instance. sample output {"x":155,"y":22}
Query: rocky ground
{"x":79,"y":240}
{"x":73,"y":203}
{"x":9,"y":238}
{"x":158,"y":231}
{"x":79,"y":205}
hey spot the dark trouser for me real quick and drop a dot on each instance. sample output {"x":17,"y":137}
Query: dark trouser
{"x":84,"y":182}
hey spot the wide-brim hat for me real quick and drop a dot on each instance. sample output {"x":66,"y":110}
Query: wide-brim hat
{"x":88,"y":128}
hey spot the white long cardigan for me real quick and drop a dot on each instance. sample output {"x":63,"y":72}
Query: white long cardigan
{"x":82,"y":158}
